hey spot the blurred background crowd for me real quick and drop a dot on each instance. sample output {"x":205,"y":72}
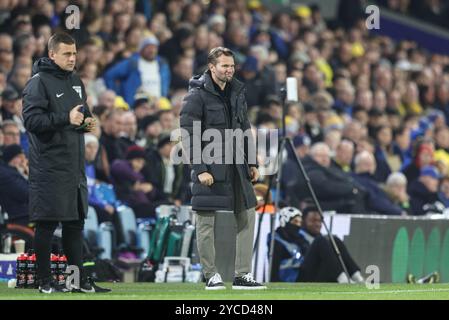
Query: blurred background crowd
{"x":371,"y":124}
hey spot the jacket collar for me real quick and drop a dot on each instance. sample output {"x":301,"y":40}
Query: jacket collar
{"x":236,"y":85}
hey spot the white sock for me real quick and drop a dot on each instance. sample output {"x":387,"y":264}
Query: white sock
{"x":342,"y":278}
{"x":357,"y":277}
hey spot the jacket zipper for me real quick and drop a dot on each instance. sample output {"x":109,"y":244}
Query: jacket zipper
{"x":230,"y":125}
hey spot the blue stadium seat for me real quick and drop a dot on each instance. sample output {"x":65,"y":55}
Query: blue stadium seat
{"x":136,"y":237}
{"x":99,"y":237}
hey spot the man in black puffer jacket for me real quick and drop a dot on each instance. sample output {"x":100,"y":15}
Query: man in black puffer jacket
{"x":56,"y":116}
{"x":216,"y":101}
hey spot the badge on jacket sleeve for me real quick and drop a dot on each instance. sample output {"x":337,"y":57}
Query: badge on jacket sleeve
{"x":78,"y":90}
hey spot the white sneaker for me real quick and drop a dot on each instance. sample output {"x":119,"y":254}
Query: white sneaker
{"x":215,"y":283}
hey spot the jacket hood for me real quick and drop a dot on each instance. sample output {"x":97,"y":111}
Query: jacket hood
{"x":197,"y":81}
{"x":47,"y":65}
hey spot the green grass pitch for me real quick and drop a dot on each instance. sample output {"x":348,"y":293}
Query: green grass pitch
{"x":275,"y":291}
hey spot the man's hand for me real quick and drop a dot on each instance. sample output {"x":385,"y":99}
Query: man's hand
{"x":91,"y":124}
{"x":206,"y":179}
{"x":109,"y":209}
{"x":254,"y":174}
{"x":143,"y":186}
{"x":76,"y":116}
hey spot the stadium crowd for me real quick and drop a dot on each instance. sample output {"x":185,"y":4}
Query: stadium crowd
{"x":371,"y":124}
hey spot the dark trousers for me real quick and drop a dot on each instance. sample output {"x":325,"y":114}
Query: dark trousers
{"x":321,"y":263}
{"x":72,"y":244}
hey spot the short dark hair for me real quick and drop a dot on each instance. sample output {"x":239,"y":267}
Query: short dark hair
{"x":58,"y":38}
{"x":308,"y":209}
{"x":217,"y":52}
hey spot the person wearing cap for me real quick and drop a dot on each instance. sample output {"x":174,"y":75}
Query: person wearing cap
{"x":145,"y":71}
{"x":256,"y":89}
{"x":424,"y":192}
{"x":216,"y":100}
{"x":56,"y":115}
{"x":14,"y":190}
{"x":130,"y":185}
{"x":141,"y":108}
{"x":151,"y":129}
{"x":10,"y":103}
{"x":289,"y":246}
{"x":302,"y":254}
{"x":12,"y":111}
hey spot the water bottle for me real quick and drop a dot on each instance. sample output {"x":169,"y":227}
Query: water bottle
{"x":54,"y":259}
{"x":62,"y":265}
{"x":31,"y":271}
{"x":21,"y":270}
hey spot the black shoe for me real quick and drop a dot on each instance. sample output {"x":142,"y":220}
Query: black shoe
{"x":215,"y":283}
{"x":89,"y":286}
{"x":247,"y":282}
{"x":52,"y":287}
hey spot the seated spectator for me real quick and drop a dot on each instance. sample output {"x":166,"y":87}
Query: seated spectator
{"x":11,"y":133}
{"x":335,"y":189}
{"x":10,"y":103}
{"x":401,"y":145}
{"x":167,"y":178}
{"x":302,"y":254}
{"x":396,"y":189}
{"x":377,"y":200}
{"x":110,"y":135}
{"x":343,"y":155}
{"x":424,"y":192}
{"x":105,"y":210}
{"x":386,"y":160}
{"x":291,"y":173}
{"x":423,"y":155}
{"x":443,"y":194}
{"x":14,"y":185}
{"x":130,"y":185}
{"x":442,"y":145}
{"x":128,"y":132}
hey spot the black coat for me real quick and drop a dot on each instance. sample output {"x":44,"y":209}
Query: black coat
{"x":57,"y":173}
{"x":154,"y":172}
{"x":289,"y":233}
{"x":203,"y":103}
{"x":335,"y":189}
{"x":420,"y":196}
{"x":13,"y":193}
{"x":377,"y":200}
